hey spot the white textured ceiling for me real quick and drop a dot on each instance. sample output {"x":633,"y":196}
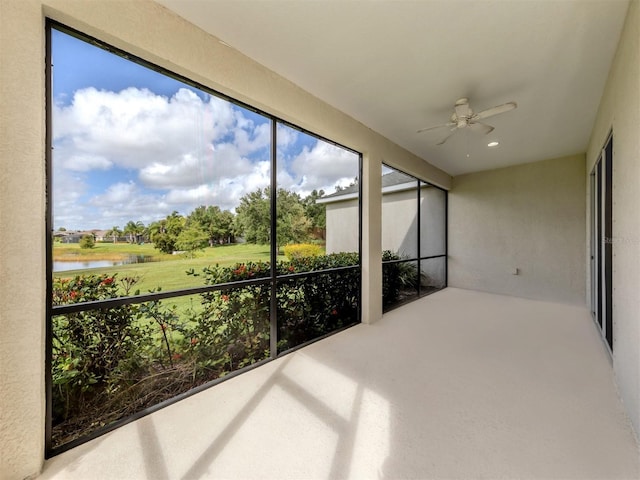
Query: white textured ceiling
{"x":398,"y":65}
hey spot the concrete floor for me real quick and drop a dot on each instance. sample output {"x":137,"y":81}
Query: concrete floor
{"x":460,"y":384}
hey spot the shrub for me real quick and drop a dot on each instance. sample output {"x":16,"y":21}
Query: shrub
{"x":235,"y":322}
{"x":323,"y":262}
{"x":298,"y":250}
{"x":391,"y":284}
{"x":87,"y":241}
{"x":108,"y":363}
{"x":396,"y":277}
{"x":100,"y":357}
{"x":312,"y":306}
{"x":230,"y":328}
{"x":90,"y":348}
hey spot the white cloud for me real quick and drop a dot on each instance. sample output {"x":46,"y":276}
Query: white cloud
{"x":68,"y":208}
{"x":323,"y":167}
{"x":156,"y":154}
{"x":85,"y":163}
{"x":286,"y":136}
{"x":222,"y":161}
{"x":118,"y":193}
{"x":135,"y":128}
{"x":225,"y":191}
{"x":248,"y":141}
{"x":122,"y":202}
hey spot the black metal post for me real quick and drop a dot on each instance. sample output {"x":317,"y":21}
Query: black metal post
{"x":273,"y":309}
{"x":48,"y":240}
{"x":418,"y":238}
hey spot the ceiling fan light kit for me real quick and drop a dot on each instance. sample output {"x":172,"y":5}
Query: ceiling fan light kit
{"x":464,"y":117}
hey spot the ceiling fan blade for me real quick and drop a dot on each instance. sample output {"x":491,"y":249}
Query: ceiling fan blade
{"x":447,"y":137}
{"x":450,"y":124}
{"x":490,"y":112}
{"x":481,"y":128}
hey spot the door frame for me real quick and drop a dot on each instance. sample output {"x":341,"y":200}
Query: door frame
{"x":601,"y":242}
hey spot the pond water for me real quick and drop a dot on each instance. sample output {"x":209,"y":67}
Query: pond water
{"x":59,"y":266}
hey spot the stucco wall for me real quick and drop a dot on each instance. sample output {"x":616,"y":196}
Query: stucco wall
{"x":22,"y":239}
{"x":433,"y":222}
{"x":620,"y":111}
{"x":530,"y":217}
{"x":342,"y":226}
{"x":152,"y":32}
{"x":399,"y":223}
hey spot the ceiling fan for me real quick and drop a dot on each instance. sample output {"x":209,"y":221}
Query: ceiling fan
{"x":464,"y":117}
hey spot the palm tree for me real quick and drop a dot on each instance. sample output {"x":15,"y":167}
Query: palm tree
{"x":140,"y":229}
{"x":114,"y":233}
{"x":134,"y":230}
{"x":129,"y":230}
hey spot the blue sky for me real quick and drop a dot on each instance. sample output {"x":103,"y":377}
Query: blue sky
{"x":133,"y":144}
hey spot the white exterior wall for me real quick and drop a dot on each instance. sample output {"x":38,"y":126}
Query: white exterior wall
{"x":154,"y":33}
{"x":399,"y":223}
{"x":399,"y":229}
{"x":342,"y":226}
{"x":620,"y":111}
{"x":530,"y":217}
{"x":400,"y":226}
{"x":433,"y":240}
{"x":433,"y":222}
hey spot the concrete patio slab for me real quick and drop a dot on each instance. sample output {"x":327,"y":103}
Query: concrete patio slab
{"x":460,"y":384}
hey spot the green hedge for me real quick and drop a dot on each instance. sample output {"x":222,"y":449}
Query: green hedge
{"x":307,"y":307}
{"x":110,"y":363}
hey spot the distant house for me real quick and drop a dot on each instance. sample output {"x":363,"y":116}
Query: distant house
{"x":101,"y":235}
{"x":399,"y":220}
{"x":74,"y":236}
{"x":71,"y":236}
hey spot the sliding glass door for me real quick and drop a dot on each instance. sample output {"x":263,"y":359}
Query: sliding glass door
{"x":602,"y":242}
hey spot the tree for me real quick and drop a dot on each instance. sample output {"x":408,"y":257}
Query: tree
{"x":87,"y":241}
{"x":217,"y":224}
{"x":164,"y":233}
{"x":114,"y":233}
{"x":316,"y":212}
{"x":134,"y":230}
{"x":254,"y":217}
{"x":192,"y":239}
{"x":292,"y":224}
{"x":226,"y":226}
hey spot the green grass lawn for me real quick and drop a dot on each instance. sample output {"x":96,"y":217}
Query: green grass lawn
{"x":168,"y":272}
